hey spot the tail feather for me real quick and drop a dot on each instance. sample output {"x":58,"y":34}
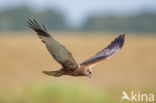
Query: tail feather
{"x":53,"y":73}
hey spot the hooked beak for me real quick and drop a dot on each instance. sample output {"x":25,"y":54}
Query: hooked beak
{"x":90,"y":75}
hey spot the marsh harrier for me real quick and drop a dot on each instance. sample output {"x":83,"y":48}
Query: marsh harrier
{"x":65,"y":58}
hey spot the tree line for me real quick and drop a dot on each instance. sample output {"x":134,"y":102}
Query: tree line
{"x":14,"y":19}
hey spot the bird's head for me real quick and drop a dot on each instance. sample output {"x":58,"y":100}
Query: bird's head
{"x":88,"y":72}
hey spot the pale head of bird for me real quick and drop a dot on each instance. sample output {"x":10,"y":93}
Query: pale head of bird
{"x":88,"y":72}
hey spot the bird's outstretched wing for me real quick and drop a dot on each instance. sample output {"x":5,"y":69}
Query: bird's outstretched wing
{"x":107,"y":52}
{"x":57,"y":50}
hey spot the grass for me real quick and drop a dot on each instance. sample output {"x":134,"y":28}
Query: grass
{"x":55,"y":93}
{"x":23,"y":57}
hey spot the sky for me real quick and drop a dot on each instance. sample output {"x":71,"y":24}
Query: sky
{"x":77,"y":10}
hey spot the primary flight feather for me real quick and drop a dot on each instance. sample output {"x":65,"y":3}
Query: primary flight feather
{"x":65,"y":58}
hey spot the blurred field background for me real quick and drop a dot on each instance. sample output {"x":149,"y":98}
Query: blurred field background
{"x":85,"y":28}
{"x":23,"y":57}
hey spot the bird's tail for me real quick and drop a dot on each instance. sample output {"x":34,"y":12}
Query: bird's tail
{"x":53,"y":73}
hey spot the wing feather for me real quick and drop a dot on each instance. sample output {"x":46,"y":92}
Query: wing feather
{"x":107,"y":52}
{"x":57,"y":50}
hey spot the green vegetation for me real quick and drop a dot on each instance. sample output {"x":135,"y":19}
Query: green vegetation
{"x":143,"y":22}
{"x":14,"y":19}
{"x":55,"y":93}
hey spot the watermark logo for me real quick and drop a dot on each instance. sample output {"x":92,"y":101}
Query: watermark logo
{"x":137,"y":96}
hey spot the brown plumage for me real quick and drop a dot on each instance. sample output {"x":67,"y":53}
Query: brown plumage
{"x":65,"y":58}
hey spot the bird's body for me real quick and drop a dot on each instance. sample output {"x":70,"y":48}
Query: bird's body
{"x":80,"y":71}
{"x":65,"y":58}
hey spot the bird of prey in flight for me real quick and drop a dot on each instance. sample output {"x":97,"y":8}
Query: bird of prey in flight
{"x":65,"y":58}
